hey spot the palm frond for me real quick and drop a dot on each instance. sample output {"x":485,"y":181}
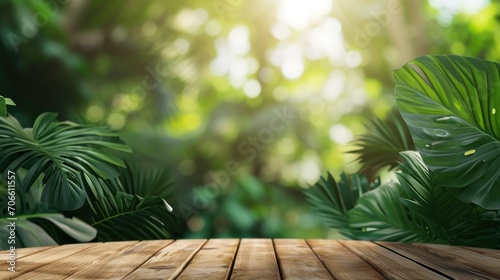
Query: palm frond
{"x":381,"y":145}
{"x":143,"y":180}
{"x":131,"y":217}
{"x":332,"y":201}
{"x":463,"y":223}
{"x":66,"y":155}
{"x":138,"y":198}
{"x":380,"y":215}
{"x":415,"y":209}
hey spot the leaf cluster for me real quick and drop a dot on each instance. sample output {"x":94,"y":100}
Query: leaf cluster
{"x":448,"y":190}
{"x":73,"y":185}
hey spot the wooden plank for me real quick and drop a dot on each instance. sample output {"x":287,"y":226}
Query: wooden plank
{"x":78,"y":260}
{"x":388,"y":263}
{"x":341,"y":262}
{"x":445,"y":265}
{"x":43,"y":258}
{"x":298,"y":261}
{"x":213,"y":261}
{"x":24,"y":252}
{"x":487,"y":252}
{"x":122,"y":262}
{"x":255,"y":260}
{"x":470,"y":260}
{"x":170,"y":261}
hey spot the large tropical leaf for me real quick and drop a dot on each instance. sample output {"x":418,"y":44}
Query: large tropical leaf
{"x":452,"y":107}
{"x":29,"y":211}
{"x":332,"y":201}
{"x":67,"y":155}
{"x":131,"y":217}
{"x":380,"y":146}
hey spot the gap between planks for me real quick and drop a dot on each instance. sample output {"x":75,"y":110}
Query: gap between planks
{"x":255,"y":259}
{"x":215,"y":259}
{"x":170,"y":261}
{"x":388,"y":263}
{"x":40,"y":259}
{"x":341,"y":262}
{"x":460,"y":263}
{"x":298,"y":261}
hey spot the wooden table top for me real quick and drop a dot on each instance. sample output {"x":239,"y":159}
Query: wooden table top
{"x":253,"y":259}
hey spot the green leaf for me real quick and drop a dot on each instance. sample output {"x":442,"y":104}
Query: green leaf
{"x":28,"y":234}
{"x":3,"y":105}
{"x":60,"y":152}
{"x":73,"y":227}
{"x":452,"y":107}
{"x":380,"y":146}
{"x":380,"y":215}
{"x":151,"y":216}
{"x":418,"y":210}
{"x":143,"y":180}
{"x":332,"y":201}
{"x":9,"y":101}
{"x":137,"y":197}
{"x":456,"y":222}
{"x":28,"y":210}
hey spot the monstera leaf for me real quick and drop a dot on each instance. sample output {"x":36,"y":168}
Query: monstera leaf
{"x":452,"y":107}
{"x":67,"y":156}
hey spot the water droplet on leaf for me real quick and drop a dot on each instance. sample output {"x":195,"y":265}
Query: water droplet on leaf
{"x":469,"y":152}
{"x":436,"y":132}
{"x":493,"y":111}
{"x":443,"y":119}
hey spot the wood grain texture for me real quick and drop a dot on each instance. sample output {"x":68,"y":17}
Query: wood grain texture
{"x":390,"y":264}
{"x":170,"y":261}
{"x":470,"y":260}
{"x":298,"y":261}
{"x":255,"y":260}
{"x":341,"y":262}
{"x":446,"y":265}
{"x":66,"y":267}
{"x":213,"y":261}
{"x":44,"y":258}
{"x":24,"y":252}
{"x":487,"y":252}
{"x":121,"y":262}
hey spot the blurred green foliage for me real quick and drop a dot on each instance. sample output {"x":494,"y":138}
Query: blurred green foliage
{"x":191,"y":84}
